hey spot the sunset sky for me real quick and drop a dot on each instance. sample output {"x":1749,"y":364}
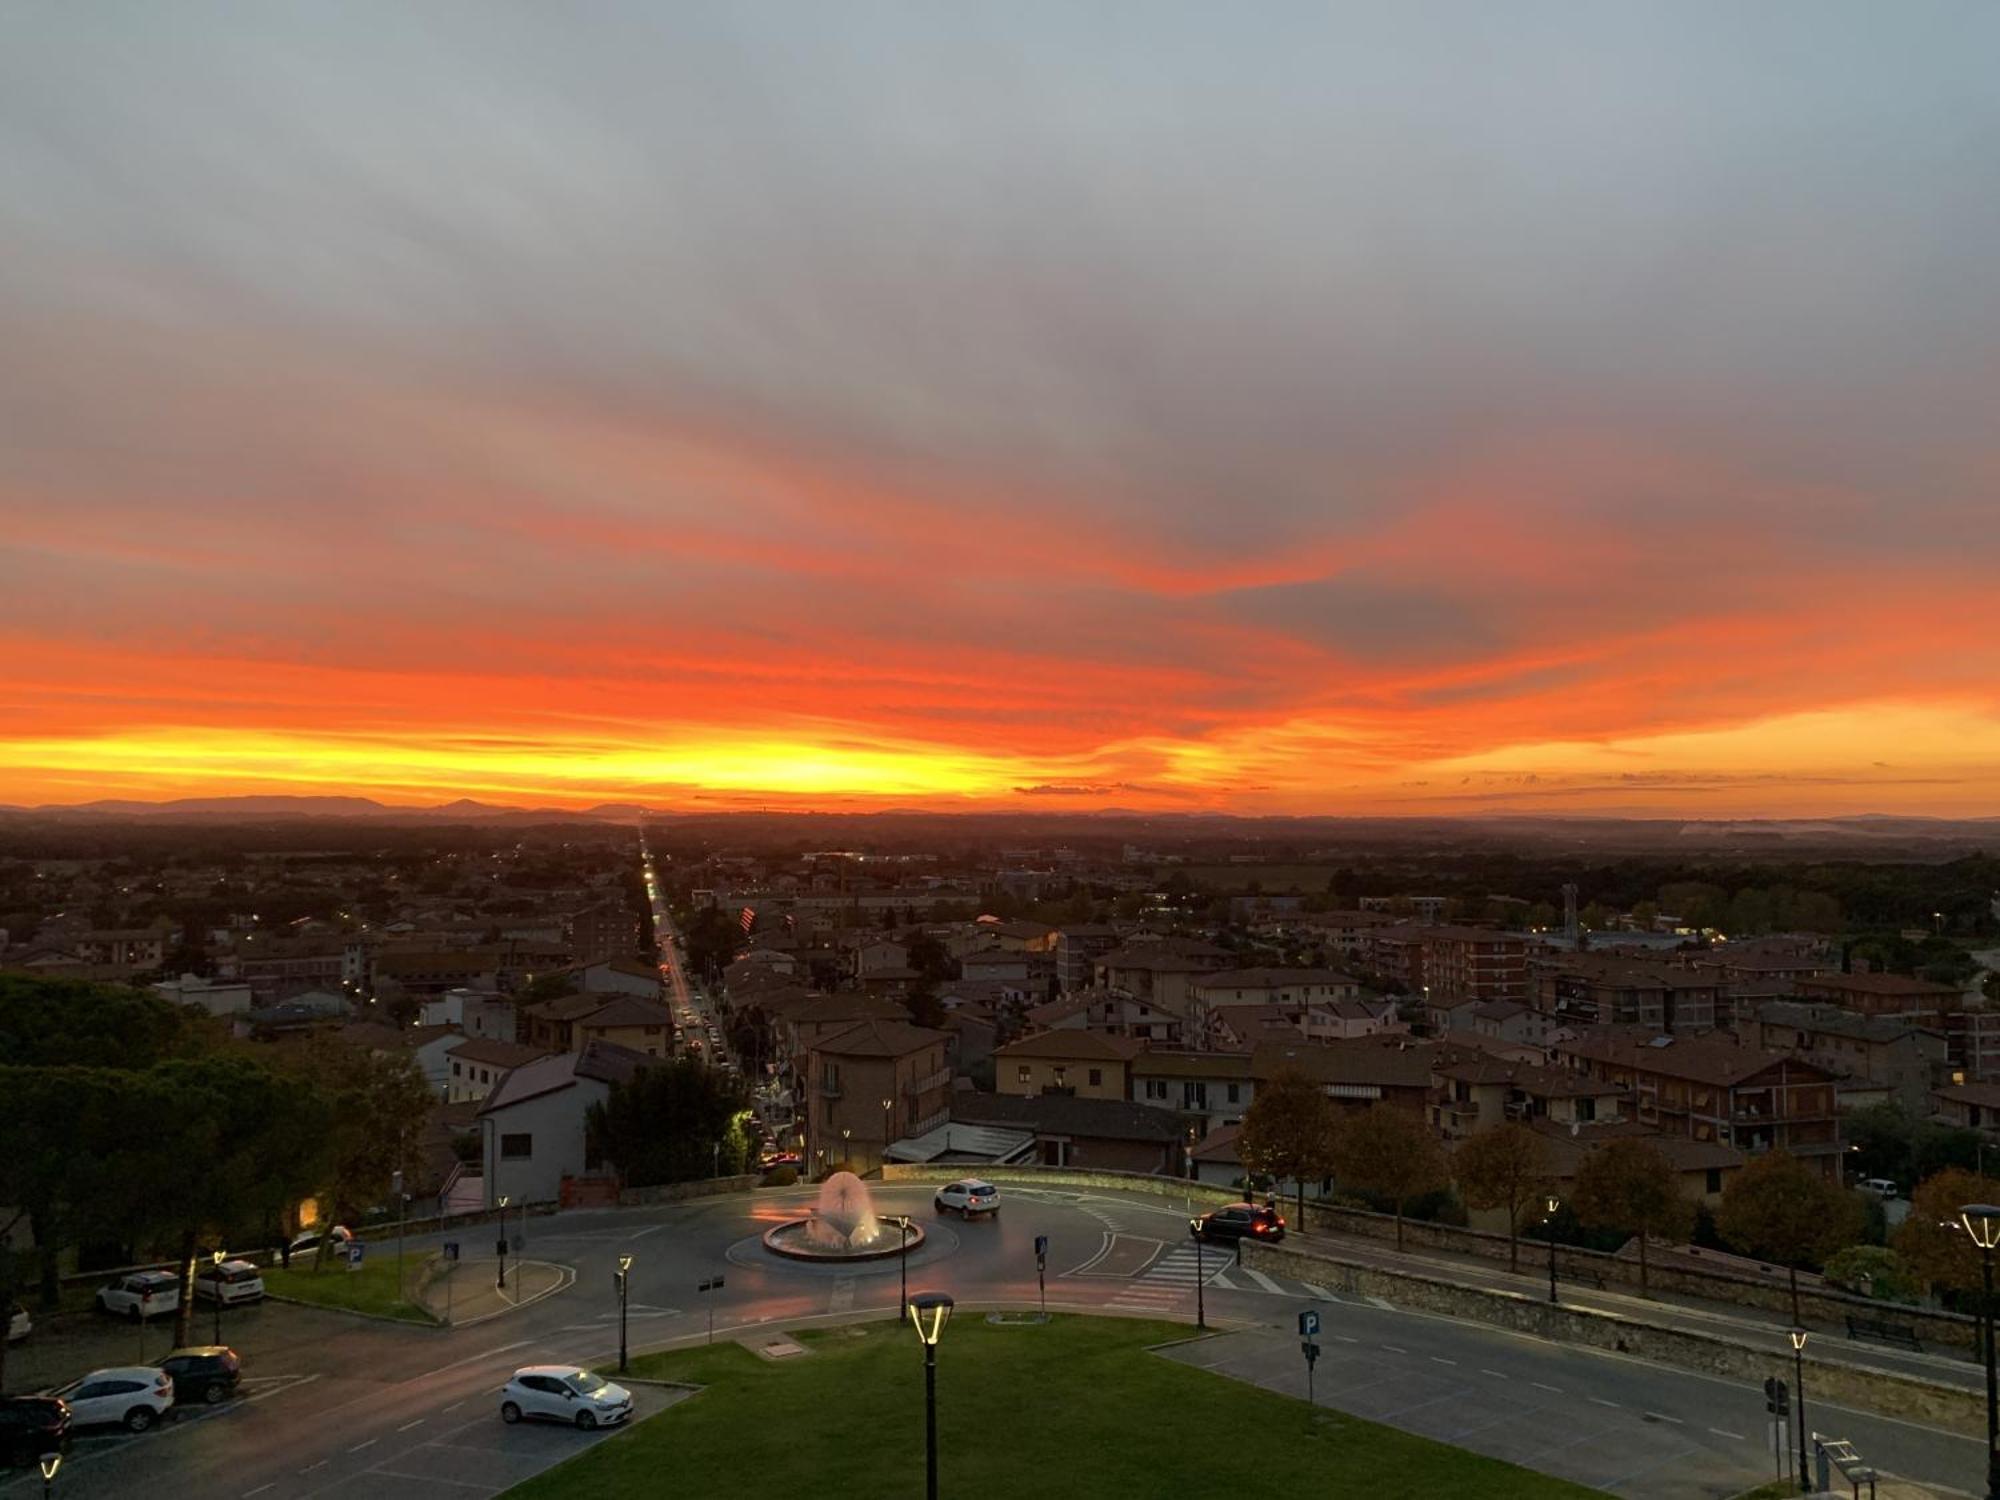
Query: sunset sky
{"x":1280,"y":408}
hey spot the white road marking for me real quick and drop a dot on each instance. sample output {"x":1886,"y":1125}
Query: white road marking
{"x":1439,"y":1359}
{"x":1554,"y":1389}
{"x":1345,"y":1339}
{"x":1495,"y":1374}
{"x":258,"y":1491}
{"x":1660,"y":1416}
{"x":1600,"y":1401}
{"x":310,"y":1467}
{"x":359,"y":1446}
{"x":453,"y":1407}
{"x":1317,"y":1290}
{"x":408,"y":1425}
{"x":1725,"y":1432}
{"x":1392,"y":1349}
{"x":1262,"y":1280}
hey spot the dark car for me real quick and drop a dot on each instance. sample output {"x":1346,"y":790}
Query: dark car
{"x":206,"y":1374}
{"x":1241,"y":1221}
{"x":31,"y":1426}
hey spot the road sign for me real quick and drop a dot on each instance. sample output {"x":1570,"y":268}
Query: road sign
{"x":500,"y":1248}
{"x":1777,"y":1397}
{"x":451,"y":1249}
{"x":1310,"y":1350}
{"x":1308,"y":1325}
{"x":354,"y":1252}
{"x":712,"y":1284}
{"x":1041,"y":1247}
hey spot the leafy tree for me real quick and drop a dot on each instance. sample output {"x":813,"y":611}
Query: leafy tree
{"x":929,"y":958}
{"x":1882,"y":1139}
{"x":62,"y":1022}
{"x":1392,"y":1154}
{"x":377,"y":1108}
{"x":1288,"y":1132}
{"x":1931,"y":1239}
{"x":664,"y":1123}
{"x":1777,"y":1208}
{"x":1873,"y":1271}
{"x":1627,"y":1185}
{"x":1506,"y":1167}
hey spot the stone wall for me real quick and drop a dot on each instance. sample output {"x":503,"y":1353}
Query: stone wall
{"x":1203,"y":1195}
{"x":677,"y":1192}
{"x":1957,"y":1409}
{"x":1819,"y":1305}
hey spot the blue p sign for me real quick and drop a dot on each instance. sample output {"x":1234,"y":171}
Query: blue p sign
{"x":1308,"y":1325}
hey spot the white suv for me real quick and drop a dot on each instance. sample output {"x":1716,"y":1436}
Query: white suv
{"x":231,"y":1282}
{"x":563,"y":1393}
{"x":968,"y":1198}
{"x":143,"y":1294}
{"x":134,"y":1397}
{"x":19,"y":1324}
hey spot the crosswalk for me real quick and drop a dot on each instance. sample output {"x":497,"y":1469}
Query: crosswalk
{"x":1171,"y":1279}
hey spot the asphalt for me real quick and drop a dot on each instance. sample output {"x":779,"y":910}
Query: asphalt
{"x":334,"y":1403}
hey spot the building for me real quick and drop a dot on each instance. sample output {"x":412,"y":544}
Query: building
{"x":1159,"y":973}
{"x":600,"y":932}
{"x":1466,"y":963}
{"x":1972,"y":1043}
{"x":1475,"y":1093}
{"x":619,"y":976}
{"x":1078,"y":947}
{"x":1111,"y":1011}
{"x":1713,"y":1088}
{"x":1105,"y":1135}
{"x":568,"y":1022}
{"x":1354,"y":1074}
{"x":870,"y":1084}
{"x":480,"y":1013}
{"x":214,"y":996}
{"x":1214,"y":1087}
{"x":1701,"y":1168}
{"x":476,"y":1066}
{"x":1299,"y":987}
{"x":1089,"y":1064}
{"x":532,"y":1123}
{"x":1587,"y":989}
{"x":1916,"y":1000}
{"x":1905,"y":1059}
{"x":1970,"y":1106}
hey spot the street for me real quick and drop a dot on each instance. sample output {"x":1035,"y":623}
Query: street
{"x":409,"y":1413}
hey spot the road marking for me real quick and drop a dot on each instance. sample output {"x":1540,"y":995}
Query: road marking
{"x":484,"y":1489}
{"x":408,"y":1425}
{"x":453,"y":1407}
{"x":1317,"y":1290}
{"x":1392,"y":1349}
{"x":1439,"y":1359}
{"x":359,"y":1446}
{"x":310,"y":1467}
{"x":258,"y":1491}
{"x":1262,"y":1280}
{"x":1345,"y":1339}
{"x":1553,"y":1389}
{"x":1495,"y":1374}
{"x":1725,"y":1432}
{"x":1660,"y":1416}
{"x":1600,"y":1401}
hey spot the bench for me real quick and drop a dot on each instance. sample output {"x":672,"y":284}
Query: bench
{"x":1901,"y":1334}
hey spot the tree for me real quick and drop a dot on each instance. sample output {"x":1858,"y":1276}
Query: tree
{"x":664,"y":1123}
{"x":1628,"y":1186}
{"x":1873,"y":1271}
{"x":1288,"y":1132}
{"x":1778,"y":1208}
{"x":1392,"y":1154}
{"x":1504,"y":1167}
{"x":1931,"y":1239}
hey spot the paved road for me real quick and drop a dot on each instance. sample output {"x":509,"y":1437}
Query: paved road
{"x":409,"y":1413}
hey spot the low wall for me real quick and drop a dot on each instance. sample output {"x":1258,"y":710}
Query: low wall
{"x":1819,"y":1304}
{"x":1959,"y":1410}
{"x":677,"y":1192}
{"x":1130,"y":1182}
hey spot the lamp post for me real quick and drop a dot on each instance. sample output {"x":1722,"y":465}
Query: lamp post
{"x":1799,"y":1406}
{"x":217,"y":1257}
{"x":1190,"y":1153}
{"x":846,"y":1151}
{"x":624,"y":1289}
{"x":1552,"y":1204}
{"x":888,"y":1125}
{"x":1200,"y":1299}
{"x":1982,"y":1222}
{"x":50,"y":1463}
{"x":930,"y":1311}
{"x":903,"y":1257}
{"x":501,"y":1283}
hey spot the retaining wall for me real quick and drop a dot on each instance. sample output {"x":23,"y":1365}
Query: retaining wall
{"x":677,"y":1192}
{"x":1202,"y":1193}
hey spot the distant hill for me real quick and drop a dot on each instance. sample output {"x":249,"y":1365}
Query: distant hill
{"x":257,"y":808}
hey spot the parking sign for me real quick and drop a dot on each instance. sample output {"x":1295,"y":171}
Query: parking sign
{"x":1308,"y":1325}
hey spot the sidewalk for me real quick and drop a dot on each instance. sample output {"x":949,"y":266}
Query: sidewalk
{"x":469,"y":1293}
{"x":1758,"y":1327}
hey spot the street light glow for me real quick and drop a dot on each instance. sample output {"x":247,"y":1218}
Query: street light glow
{"x":1982,"y":1222}
{"x":929,"y":1312}
{"x":1798,"y":1340}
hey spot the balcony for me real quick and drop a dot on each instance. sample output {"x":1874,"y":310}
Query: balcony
{"x":938,"y":1080}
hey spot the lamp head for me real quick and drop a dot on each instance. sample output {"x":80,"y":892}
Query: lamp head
{"x":624,"y":1264}
{"x":50,"y":1463}
{"x":1982,"y":1222}
{"x":1798,"y":1340}
{"x":930,"y":1311}
{"x":218,"y":1256}
{"x":503,"y":1200}
{"x":1552,"y":1203}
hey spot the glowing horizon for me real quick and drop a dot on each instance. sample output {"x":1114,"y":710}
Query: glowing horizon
{"x":923,"y":409}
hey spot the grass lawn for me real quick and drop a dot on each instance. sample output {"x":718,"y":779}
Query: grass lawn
{"x":372,"y":1289}
{"x":1076,"y":1407}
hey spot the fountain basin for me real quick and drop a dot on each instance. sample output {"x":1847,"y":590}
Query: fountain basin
{"x":794,"y":1240}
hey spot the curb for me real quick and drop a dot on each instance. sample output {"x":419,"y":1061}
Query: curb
{"x":428,"y":1324}
{"x":565,"y":1279}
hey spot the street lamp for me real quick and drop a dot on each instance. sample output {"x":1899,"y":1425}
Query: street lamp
{"x":1190,"y":1156}
{"x":930,"y":1311}
{"x":50,"y":1463}
{"x":888,"y":1126}
{"x":502,"y":1282}
{"x":846,"y":1152}
{"x":1200,"y":1278}
{"x":624,"y":1285}
{"x":218,"y":1257}
{"x":1552,"y":1203}
{"x":903,"y":1258}
{"x":1982,"y":1222}
{"x":1799,"y":1407}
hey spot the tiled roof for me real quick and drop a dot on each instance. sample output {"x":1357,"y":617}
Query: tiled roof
{"x":1074,"y":1042}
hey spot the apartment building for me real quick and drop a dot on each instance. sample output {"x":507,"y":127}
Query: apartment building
{"x":1088,"y":1064}
{"x":1916,"y":1000}
{"x":1463,"y":963}
{"x":1593,"y":990}
{"x":871,"y":1084}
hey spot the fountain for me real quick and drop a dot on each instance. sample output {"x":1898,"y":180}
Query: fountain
{"x":842,"y":1226}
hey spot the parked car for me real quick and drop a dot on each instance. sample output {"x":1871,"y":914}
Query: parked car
{"x":19,"y":1324}
{"x":772,"y":1160}
{"x":31,"y":1426}
{"x":968,"y":1198}
{"x":231,"y":1282}
{"x":1241,"y":1221}
{"x":1881,"y":1187}
{"x":133,"y":1397}
{"x":143,"y":1294}
{"x":307,"y":1243}
{"x":563,"y":1393}
{"x":205,"y":1373}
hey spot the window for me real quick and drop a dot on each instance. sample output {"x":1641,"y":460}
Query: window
{"x":517,"y":1147}
{"x":1234,"y":1090}
{"x":1714,"y":1183}
{"x":1156,"y":1088}
{"x":1025,"y":1073}
{"x":1096,"y":1077}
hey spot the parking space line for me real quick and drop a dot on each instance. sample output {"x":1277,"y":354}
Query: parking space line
{"x":1495,"y":1374}
{"x":484,"y":1489}
{"x":259,"y":1490}
{"x":1725,"y":1432}
{"x":1439,"y":1359}
{"x":1392,"y":1349}
{"x":408,"y":1425}
{"x":320,"y":1465}
{"x":1554,"y":1390}
{"x":1345,"y":1339}
{"x":1600,"y":1401}
{"x":359,"y":1446}
{"x":1660,"y":1416}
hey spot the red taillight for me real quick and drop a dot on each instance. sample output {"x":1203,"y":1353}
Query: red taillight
{"x":1263,"y":1228}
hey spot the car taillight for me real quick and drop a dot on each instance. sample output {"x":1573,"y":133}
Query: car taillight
{"x":1263,"y":1228}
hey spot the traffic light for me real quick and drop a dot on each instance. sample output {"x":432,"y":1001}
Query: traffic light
{"x":1777,"y":1397}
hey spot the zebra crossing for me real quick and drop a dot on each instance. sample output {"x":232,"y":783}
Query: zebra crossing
{"x":1171,"y":1278}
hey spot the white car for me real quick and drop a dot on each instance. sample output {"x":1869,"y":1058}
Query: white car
{"x":19,"y":1324}
{"x":563,"y":1393}
{"x":143,"y":1294}
{"x":231,"y":1282}
{"x":968,"y":1198}
{"x":1881,"y":1187}
{"x":309,"y":1241}
{"x":133,"y":1397}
